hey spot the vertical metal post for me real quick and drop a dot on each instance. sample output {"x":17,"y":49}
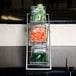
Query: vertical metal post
{"x":70,"y":73}
{"x":27,"y":43}
{"x":49,"y":39}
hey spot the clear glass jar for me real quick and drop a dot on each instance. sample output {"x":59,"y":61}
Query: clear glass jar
{"x":38,"y":13}
{"x":38,"y":33}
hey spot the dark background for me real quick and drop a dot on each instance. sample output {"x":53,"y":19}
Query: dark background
{"x":58,"y":9}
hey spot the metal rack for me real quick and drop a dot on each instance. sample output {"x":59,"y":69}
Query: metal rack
{"x":38,"y":65}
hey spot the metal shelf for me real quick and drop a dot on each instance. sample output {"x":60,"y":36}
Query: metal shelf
{"x":38,"y":65}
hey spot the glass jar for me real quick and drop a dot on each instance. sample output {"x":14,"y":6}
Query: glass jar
{"x":38,"y":13}
{"x":38,"y":33}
